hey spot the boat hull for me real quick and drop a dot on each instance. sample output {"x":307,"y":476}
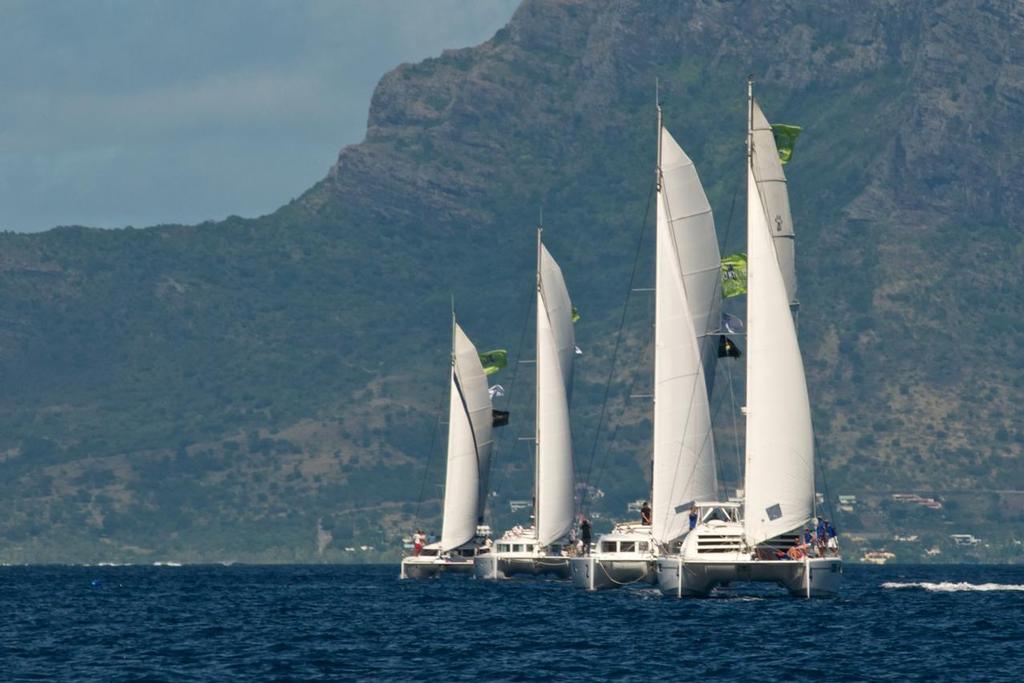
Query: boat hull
{"x":594,"y":573}
{"x":431,"y":568}
{"x":811,"y":578}
{"x":498,"y":566}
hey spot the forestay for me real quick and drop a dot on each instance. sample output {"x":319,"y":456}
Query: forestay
{"x":780,"y":445}
{"x":556,"y":344}
{"x":469,"y":445}
{"x":687,"y":316}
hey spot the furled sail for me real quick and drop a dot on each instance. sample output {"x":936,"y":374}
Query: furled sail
{"x":771,"y":185}
{"x":780,"y":444}
{"x":556,"y":344}
{"x":687,"y":316}
{"x":469,"y":445}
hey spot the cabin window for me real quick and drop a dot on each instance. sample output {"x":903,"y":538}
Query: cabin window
{"x":642,"y":546}
{"x":529,"y":548}
{"x":503,"y":547}
{"x":627,"y":547}
{"x":517,"y":548}
{"x":607,"y":546}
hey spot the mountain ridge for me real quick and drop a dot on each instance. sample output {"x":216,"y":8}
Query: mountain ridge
{"x":196,"y":386}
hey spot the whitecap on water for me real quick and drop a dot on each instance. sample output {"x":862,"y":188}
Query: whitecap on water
{"x":954,"y":587}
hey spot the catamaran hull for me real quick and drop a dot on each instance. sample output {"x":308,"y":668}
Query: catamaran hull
{"x":591,"y":573}
{"x":497,"y":567}
{"x":416,"y":568}
{"x":811,"y":578}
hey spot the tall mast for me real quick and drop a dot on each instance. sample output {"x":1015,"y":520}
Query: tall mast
{"x":657,"y":106}
{"x":453,"y":338}
{"x":750,"y":179}
{"x":750,"y":119}
{"x":536,"y":362}
{"x":654,"y":325}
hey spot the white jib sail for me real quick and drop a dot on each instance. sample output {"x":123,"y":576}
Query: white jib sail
{"x":687,"y":317}
{"x":556,"y":344}
{"x":771,"y":184}
{"x":469,"y":445}
{"x":780,"y":444}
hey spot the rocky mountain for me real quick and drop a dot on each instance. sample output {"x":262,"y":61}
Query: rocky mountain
{"x":269,"y":389}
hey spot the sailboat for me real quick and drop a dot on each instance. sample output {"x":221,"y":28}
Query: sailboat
{"x":470,"y":421}
{"x":687,"y":317}
{"x":542,"y":547}
{"x":765,"y":543}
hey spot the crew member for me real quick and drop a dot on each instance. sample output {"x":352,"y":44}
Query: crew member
{"x":417,"y":542}
{"x":645,"y":514}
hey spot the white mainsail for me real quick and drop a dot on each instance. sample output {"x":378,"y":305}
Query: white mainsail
{"x":556,"y":344}
{"x":687,"y":316}
{"x":779,"y":479}
{"x":771,"y":185}
{"x":469,"y":444}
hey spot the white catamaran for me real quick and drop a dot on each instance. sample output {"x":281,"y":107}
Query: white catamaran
{"x":687,"y":317}
{"x":542,"y":547}
{"x":470,"y":421}
{"x":766,"y":542}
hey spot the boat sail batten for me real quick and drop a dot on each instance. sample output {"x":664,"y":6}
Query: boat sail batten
{"x":687,"y":309}
{"x":469,"y":445}
{"x":556,"y":347}
{"x":771,"y":185}
{"x":779,"y":472}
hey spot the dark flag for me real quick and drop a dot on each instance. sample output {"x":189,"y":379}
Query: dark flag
{"x":499,"y":418}
{"x":727,"y":349}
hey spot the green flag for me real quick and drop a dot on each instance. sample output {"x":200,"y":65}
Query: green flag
{"x":734,"y":275}
{"x":785,"y":139}
{"x":575,"y":315}
{"x":493,"y":361}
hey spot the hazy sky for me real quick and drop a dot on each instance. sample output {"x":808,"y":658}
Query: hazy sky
{"x":137,"y":112}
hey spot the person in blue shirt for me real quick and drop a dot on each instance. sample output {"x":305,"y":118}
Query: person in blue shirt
{"x":693,"y":517}
{"x":833,"y":539}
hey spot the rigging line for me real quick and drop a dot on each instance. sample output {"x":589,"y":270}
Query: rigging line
{"x":824,"y":482}
{"x":513,"y":383}
{"x":430,"y":456}
{"x":728,"y":221}
{"x":618,"y":343}
{"x":722,"y":492}
{"x":615,"y":432}
{"x":735,"y":430}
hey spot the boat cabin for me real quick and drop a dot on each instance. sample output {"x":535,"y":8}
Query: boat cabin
{"x":632,"y":546}
{"x":515,"y":547}
{"x":718,"y":511}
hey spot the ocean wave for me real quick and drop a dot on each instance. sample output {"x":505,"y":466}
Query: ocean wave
{"x":954,"y":587}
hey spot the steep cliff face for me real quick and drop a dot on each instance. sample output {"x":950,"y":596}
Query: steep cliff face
{"x":242,"y":380}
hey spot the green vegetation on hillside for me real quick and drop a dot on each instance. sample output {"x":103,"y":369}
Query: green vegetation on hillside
{"x":220,"y":392}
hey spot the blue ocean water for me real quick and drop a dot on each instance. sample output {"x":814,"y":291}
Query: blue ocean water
{"x":323,"y":623}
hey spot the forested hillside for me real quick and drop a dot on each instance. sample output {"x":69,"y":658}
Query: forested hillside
{"x":269,"y":389}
